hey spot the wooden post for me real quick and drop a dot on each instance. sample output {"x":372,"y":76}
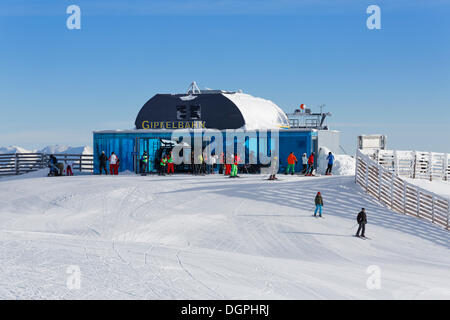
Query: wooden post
{"x":418,"y":202}
{"x":445,"y":175}
{"x":430,"y":164}
{"x":392,"y":189}
{"x":16,"y":163}
{"x":81,"y":156}
{"x":380,"y":173}
{"x":395,"y":162}
{"x":448,"y":212}
{"x":366,"y":176}
{"x":404,"y":197}
{"x":432,"y":208}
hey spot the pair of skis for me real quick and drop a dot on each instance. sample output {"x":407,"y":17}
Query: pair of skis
{"x":361,"y":237}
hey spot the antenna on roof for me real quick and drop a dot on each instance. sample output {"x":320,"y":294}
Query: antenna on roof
{"x":193,"y":88}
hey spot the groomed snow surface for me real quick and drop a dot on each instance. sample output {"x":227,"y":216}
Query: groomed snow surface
{"x":210,"y":237}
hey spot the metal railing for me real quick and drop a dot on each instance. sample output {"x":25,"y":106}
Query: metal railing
{"x":398,"y":195}
{"x":20,"y":163}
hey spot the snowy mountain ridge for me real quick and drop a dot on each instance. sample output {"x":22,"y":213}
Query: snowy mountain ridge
{"x":49,"y":149}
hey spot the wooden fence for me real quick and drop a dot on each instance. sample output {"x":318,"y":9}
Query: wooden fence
{"x":398,"y":195}
{"x":19,"y":163}
{"x":415,"y":164}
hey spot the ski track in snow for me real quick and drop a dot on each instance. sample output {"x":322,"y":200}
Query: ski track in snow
{"x":209,"y":237}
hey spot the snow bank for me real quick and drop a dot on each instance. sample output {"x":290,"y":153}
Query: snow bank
{"x":344,"y":165}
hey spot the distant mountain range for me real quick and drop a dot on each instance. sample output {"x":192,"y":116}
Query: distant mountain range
{"x":49,"y":150}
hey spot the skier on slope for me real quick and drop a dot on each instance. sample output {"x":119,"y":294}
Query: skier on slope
{"x":291,"y":160}
{"x":319,"y":204}
{"x":362,"y":221}
{"x":309,"y":171}
{"x":330,"y":159}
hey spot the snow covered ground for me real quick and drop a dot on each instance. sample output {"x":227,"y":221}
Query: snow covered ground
{"x":344,"y":165}
{"x":439,"y":187}
{"x":210,"y":237}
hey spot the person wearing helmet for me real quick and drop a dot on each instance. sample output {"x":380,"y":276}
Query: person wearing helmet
{"x":319,"y":204}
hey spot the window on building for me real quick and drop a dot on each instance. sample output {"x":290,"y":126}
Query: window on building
{"x":181,"y":113}
{"x":196,"y":113}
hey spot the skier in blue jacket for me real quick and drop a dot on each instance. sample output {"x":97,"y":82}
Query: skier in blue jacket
{"x":330,"y":159}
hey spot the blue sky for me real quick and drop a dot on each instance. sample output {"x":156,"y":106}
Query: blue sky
{"x":57,"y":85}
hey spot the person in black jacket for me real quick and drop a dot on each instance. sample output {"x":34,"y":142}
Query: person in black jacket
{"x":102,"y":158}
{"x":362,"y":220}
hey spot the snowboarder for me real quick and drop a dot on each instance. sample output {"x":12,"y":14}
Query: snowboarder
{"x":291,"y":160}
{"x":362,"y":220}
{"x":319,"y":204}
{"x":170,"y":167}
{"x":102,"y":158}
{"x":304,"y":163}
{"x":309,"y":171}
{"x":113,"y":164}
{"x":330,"y":159}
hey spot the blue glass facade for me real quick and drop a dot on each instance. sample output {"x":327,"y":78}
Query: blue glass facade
{"x":130,"y":145}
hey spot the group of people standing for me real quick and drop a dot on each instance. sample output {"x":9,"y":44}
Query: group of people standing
{"x":226,"y":164}
{"x":308,"y":164}
{"x":166,"y":165}
{"x":114,"y":163}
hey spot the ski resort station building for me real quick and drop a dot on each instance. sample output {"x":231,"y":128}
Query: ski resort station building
{"x":254,"y":125}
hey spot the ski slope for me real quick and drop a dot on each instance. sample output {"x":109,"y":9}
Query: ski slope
{"x":210,"y":237}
